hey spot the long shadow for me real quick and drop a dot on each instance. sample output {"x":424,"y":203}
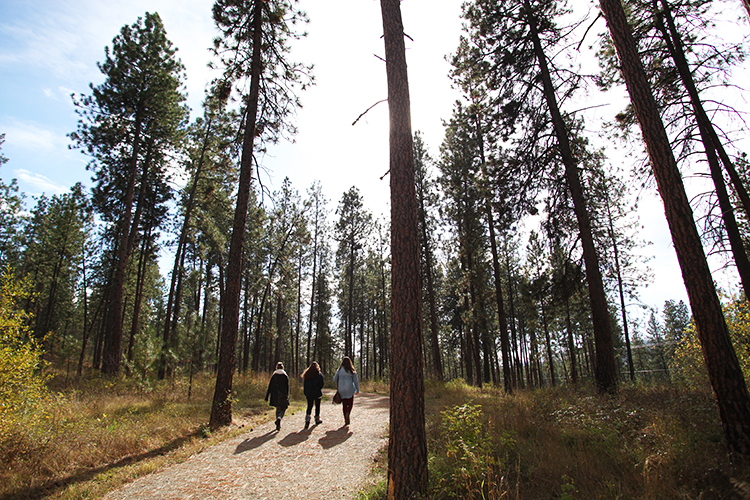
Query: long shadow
{"x":51,"y":487}
{"x":251,"y":444}
{"x":295,"y":438}
{"x":334,"y":438}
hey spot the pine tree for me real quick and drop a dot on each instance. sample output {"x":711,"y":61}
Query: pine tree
{"x":425,"y":201}
{"x":11,"y":218}
{"x":510,"y":41}
{"x":252,"y":45}
{"x":351,"y":230}
{"x":129,"y":124}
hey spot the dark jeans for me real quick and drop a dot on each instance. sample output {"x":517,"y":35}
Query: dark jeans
{"x":280,"y":410}
{"x":310,"y":405}
{"x":346,"y":405}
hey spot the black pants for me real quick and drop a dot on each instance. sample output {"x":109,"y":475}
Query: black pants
{"x":310,"y":405}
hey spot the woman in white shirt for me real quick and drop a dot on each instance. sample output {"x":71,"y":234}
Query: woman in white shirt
{"x":347,"y":384}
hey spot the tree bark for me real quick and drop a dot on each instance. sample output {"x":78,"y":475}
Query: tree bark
{"x":605,"y":369}
{"x":221,"y":408}
{"x":724,"y":370}
{"x":407,"y":450}
{"x":113,"y":337}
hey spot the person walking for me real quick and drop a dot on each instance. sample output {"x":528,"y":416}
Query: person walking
{"x":278,"y":390}
{"x":347,"y":385}
{"x":313,"y":387}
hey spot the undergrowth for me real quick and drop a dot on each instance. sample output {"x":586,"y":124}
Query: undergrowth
{"x":93,"y":435}
{"x":645,"y":443}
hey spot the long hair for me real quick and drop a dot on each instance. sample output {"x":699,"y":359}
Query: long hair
{"x":346,"y":363}
{"x":312,"y":371}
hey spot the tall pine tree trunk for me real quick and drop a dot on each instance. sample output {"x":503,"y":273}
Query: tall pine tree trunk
{"x":407,"y":449}
{"x":312,"y":287}
{"x":501,"y":316}
{"x":620,"y":287}
{"x":724,"y":370}
{"x":140,"y":282}
{"x":113,"y":336}
{"x":221,"y":408}
{"x":605,"y":368}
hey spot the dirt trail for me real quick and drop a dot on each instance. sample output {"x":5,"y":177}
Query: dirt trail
{"x":325,"y":461}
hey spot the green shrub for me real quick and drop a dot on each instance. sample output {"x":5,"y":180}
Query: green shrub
{"x":22,"y":386}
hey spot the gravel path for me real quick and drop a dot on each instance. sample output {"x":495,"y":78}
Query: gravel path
{"x":325,"y":461}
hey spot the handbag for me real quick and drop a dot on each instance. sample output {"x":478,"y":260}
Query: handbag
{"x":337,"y":398}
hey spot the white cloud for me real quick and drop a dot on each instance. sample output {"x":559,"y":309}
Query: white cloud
{"x":42,"y":183}
{"x":62,"y":94}
{"x":30,"y":136}
{"x":48,"y":45}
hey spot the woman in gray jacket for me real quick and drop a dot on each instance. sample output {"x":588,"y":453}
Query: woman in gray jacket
{"x":347,"y":384}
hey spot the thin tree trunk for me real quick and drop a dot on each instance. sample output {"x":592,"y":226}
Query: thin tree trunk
{"x":549,"y":345}
{"x":620,"y":287}
{"x":312,"y":286}
{"x":178,"y":259}
{"x":606,"y":371}
{"x":349,"y":326}
{"x":434,"y":339}
{"x":297,"y":371}
{"x":502,"y":319}
{"x":277,"y":347}
{"x":571,"y":343}
{"x":138,"y":295}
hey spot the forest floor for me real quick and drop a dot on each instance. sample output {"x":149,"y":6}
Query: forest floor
{"x":329,"y":460}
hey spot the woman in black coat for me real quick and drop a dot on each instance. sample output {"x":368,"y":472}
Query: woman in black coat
{"x":313,"y":384}
{"x":278,"y":390}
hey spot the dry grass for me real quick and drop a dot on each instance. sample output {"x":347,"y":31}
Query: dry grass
{"x":375,"y":386}
{"x":644,"y":443}
{"x":94,"y":436}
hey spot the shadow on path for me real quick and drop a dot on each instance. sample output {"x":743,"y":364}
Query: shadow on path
{"x":295,"y":438}
{"x":251,"y":444}
{"x":333,"y":438}
{"x":49,"y":488}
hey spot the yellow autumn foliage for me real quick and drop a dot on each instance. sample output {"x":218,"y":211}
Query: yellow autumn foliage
{"x":22,"y":386}
{"x":687,"y":364}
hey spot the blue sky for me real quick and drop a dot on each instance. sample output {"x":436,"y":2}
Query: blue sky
{"x":49,"y":49}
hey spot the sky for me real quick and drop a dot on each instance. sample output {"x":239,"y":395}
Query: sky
{"x":50,"y":49}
